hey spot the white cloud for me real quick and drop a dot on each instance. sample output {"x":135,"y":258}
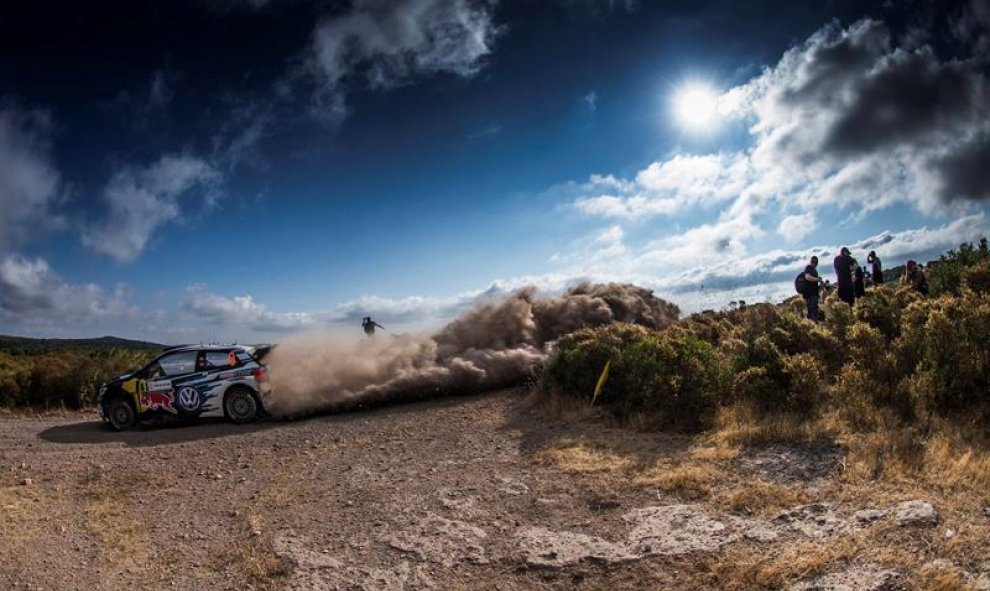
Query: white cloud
{"x":389,"y":42}
{"x":29,"y":182}
{"x":405,"y":310}
{"x":795,"y":227}
{"x":668,"y":187}
{"x":723,"y":239}
{"x":242,"y":312}
{"x":141,"y":201}
{"x":34,"y":295}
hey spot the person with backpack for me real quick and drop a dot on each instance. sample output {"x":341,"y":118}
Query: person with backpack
{"x":807,"y":284}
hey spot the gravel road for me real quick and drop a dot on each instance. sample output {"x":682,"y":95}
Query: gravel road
{"x":415,"y":496}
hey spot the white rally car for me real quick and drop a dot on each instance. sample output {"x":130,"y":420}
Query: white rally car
{"x":190,"y":381}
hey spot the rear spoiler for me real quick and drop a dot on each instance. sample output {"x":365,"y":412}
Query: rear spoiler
{"x":260,"y":351}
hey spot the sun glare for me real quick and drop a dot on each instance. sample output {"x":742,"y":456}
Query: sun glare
{"x":696,"y":106}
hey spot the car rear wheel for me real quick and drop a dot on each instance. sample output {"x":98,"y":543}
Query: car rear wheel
{"x":241,"y":405}
{"x":121,"y":414}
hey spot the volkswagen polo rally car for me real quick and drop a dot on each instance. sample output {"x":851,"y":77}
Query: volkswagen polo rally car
{"x":190,"y":381}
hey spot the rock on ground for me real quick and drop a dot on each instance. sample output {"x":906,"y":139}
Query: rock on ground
{"x":863,"y":577}
{"x":441,"y":540}
{"x":916,"y":513}
{"x":540,"y":546}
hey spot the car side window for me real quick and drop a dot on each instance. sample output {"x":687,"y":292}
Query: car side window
{"x":217,"y":359}
{"x":178,"y":363}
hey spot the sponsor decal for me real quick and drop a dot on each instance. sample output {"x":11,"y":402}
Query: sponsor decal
{"x":234,"y":374}
{"x":158,"y":401}
{"x":159,"y":385}
{"x":188,"y":399}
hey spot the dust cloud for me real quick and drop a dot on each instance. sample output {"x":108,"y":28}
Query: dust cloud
{"x":497,"y":343}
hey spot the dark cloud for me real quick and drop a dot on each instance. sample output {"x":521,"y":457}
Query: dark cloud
{"x":964,"y":172}
{"x":30,"y":185}
{"x":907,"y":97}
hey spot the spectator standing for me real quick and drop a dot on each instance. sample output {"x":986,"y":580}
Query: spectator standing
{"x":812,"y":282}
{"x":876,"y":268}
{"x":844,"y":276}
{"x":859,"y":280}
{"x":915,"y":277}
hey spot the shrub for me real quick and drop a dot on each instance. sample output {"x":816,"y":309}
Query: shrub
{"x":581,"y":356}
{"x":69,"y":377}
{"x":945,"y":276}
{"x":838,"y":318}
{"x":772,"y":381}
{"x":976,"y":279}
{"x":675,"y":377}
{"x":880,"y":309}
{"x":871,"y":379}
{"x":953,"y":370}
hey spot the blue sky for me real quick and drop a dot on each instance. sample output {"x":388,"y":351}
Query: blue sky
{"x":239,"y":170}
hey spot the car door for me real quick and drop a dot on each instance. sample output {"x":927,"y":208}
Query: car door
{"x":173,"y":369}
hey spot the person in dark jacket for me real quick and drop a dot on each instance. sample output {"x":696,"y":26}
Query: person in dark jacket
{"x":915,"y":277}
{"x":844,"y":276}
{"x":859,"y":280}
{"x":369,"y":326}
{"x":876,"y":269}
{"x":812,"y":283}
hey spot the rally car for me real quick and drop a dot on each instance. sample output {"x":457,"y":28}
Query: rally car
{"x":190,"y":381}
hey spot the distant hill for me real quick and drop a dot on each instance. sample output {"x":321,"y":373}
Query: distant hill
{"x":29,"y":345}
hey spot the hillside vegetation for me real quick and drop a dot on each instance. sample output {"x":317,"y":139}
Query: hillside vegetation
{"x":64,"y":372}
{"x":897,"y":371}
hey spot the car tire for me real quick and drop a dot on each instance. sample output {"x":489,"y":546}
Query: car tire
{"x":121,"y":414}
{"x":241,"y":406}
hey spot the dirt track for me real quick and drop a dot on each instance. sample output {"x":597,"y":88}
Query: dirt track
{"x":217,"y":506}
{"x":462,"y":493}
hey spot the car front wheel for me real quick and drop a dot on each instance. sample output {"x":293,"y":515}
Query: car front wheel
{"x":241,"y":405}
{"x":121,"y":414}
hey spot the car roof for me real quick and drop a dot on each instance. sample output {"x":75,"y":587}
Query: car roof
{"x":205,"y":348}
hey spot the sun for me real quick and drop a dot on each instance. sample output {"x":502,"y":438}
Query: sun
{"x":696,"y":106}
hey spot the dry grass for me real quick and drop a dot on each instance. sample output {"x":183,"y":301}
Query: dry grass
{"x":689,"y":481}
{"x":250,"y":562}
{"x":752,"y":568}
{"x":756,"y":498}
{"x":247,"y":558}
{"x":109,"y":516}
{"x":581,"y":458}
{"x":943,"y":578}
{"x":27,"y":513}
{"x":741,"y":425}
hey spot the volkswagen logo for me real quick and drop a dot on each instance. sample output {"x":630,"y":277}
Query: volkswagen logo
{"x":188,"y":399}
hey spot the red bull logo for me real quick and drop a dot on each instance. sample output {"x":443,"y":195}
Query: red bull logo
{"x":158,"y":401}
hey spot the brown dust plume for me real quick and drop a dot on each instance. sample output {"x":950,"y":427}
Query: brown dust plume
{"x":496,"y":343}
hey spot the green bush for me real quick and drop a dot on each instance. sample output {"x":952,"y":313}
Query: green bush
{"x":897,"y":355}
{"x":581,"y":355}
{"x":976,"y":279}
{"x":69,"y":377}
{"x":953,"y":370}
{"x":945,"y":276}
{"x":674,"y":377}
{"x":880,"y":309}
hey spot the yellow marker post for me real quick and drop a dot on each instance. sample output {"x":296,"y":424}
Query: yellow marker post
{"x":601,"y":381}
